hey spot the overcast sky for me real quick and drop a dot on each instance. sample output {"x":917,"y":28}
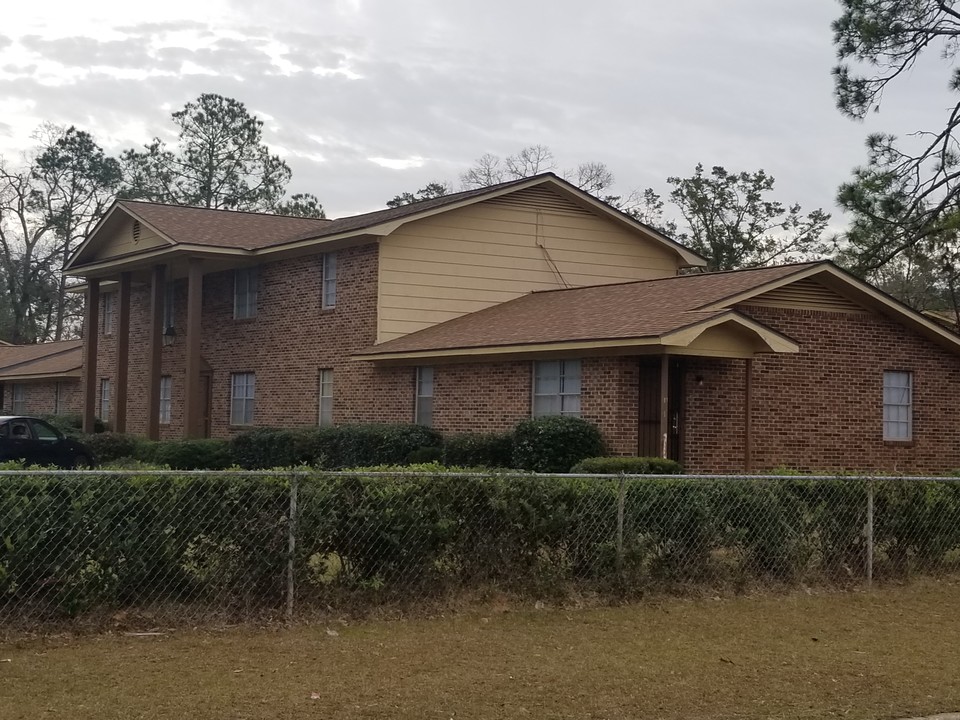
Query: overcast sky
{"x":368,"y":98}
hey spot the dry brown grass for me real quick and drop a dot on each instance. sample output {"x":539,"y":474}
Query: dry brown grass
{"x":890,"y":653}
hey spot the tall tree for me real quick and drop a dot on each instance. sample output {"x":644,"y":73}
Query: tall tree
{"x":48,"y":203}
{"x":907,"y":195}
{"x":74,"y":182}
{"x":301,"y":205}
{"x":220,"y":161}
{"x":427,"y":192}
{"x":730,"y":220}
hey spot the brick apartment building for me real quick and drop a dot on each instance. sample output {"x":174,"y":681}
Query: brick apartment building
{"x":41,"y":379}
{"x":472,"y":311}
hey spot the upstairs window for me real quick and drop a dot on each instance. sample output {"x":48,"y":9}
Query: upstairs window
{"x":329,"y":290}
{"x":556,"y":388}
{"x":168,"y":313}
{"x":107,"y":301}
{"x":242,"y":387}
{"x":245,"y":293}
{"x":897,"y":405}
{"x":326,"y":397}
{"x":423,"y":411}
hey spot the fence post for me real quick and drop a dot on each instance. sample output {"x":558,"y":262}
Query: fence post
{"x":869,"y":533}
{"x":621,"y":498}
{"x":291,"y":543}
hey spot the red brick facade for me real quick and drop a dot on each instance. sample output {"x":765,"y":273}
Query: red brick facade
{"x":819,"y":409}
{"x":40,"y":397}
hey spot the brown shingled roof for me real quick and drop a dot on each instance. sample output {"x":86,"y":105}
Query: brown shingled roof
{"x":52,"y":359}
{"x":642,"y":309}
{"x":253,"y":231}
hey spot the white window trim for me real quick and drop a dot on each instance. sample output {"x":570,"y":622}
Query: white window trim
{"x":325,"y":392}
{"x":908,"y":405}
{"x":107,"y":303}
{"x":561,"y":394}
{"x":18,"y":405}
{"x":251,"y":386}
{"x":252,"y":279}
{"x":106,"y":391}
{"x":328,"y":285}
{"x":166,"y":399}
{"x":420,"y":396}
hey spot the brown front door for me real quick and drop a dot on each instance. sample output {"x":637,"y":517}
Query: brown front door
{"x":206,"y":395}
{"x":649,"y":416}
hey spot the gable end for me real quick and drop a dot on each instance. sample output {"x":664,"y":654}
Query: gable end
{"x":806,"y":294}
{"x":540,"y":198}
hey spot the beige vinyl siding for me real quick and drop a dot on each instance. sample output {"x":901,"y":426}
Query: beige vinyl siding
{"x":465,"y":260}
{"x":121,"y":241}
{"x":808,"y":295}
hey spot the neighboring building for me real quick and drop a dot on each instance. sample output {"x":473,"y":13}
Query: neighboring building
{"x":41,"y":379}
{"x":216,"y":321}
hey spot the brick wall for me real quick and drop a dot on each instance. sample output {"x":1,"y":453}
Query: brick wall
{"x":822,"y":409}
{"x":285,"y":345}
{"x":40,"y":396}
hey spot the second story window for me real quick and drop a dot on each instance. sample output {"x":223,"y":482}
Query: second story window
{"x":168,"y":311}
{"x":244,"y":293}
{"x":107,"y":302}
{"x":329,"y":292}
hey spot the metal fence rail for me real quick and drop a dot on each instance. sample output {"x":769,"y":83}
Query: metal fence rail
{"x":169,"y":547}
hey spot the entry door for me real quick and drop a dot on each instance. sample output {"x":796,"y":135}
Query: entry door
{"x":649,"y":439}
{"x":206,"y":393}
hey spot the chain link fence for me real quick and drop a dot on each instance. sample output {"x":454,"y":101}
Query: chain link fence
{"x":152,"y":549}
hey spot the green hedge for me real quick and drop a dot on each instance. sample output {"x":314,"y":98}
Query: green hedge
{"x":554,"y":444}
{"x":492,"y":450}
{"x":109,"y":446}
{"x":628,"y":466}
{"x":75,"y":544}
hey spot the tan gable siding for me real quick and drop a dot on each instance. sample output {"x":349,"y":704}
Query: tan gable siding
{"x":120,"y":242}
{"x":461,"y":261}
{"x":806,"y":294}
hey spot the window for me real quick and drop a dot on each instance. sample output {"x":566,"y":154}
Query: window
{"x":241,"y":398}
{"x":58,"y":398}
{"x":897,"y":405}
{"x":166,"y":394}
{"x":106,"y":313}
{"x":326,"y":397}
{"x":329,"y":280}
{"x":44,"y":432}
{"x":423,"y":411}
{"x":168,"y":311}
{"x":18,"y":402}
{"x":105,"y":400}
{"x":244,"y":293}
{"x":556,"y":388}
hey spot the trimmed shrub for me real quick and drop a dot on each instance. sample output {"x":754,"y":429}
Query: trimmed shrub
{"x":110,"y":446}
{"x":555,"y":443}
{"x":425,"y":455}
{"x":493,"y":450}
{"x":264,"y":448}
{"x":373,"y":444}
{"x":628,"y":466}
{"x":201,"y":454}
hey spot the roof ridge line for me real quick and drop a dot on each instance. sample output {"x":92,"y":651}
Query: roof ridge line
{"x":224,"y":210}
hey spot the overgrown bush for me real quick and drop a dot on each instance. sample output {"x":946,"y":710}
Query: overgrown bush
{"x":110,"y":446}
{"x":492,"y":450}
{"x":555,"y":443}
{"x":628,"y":466}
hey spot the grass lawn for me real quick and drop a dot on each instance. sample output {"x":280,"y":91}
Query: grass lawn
{"x":890,"y":653}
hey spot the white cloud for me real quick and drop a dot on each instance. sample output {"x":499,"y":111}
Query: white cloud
{"x":398,"y":163}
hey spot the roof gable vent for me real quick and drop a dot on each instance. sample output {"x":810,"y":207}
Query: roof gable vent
{"x":136,"y":231}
